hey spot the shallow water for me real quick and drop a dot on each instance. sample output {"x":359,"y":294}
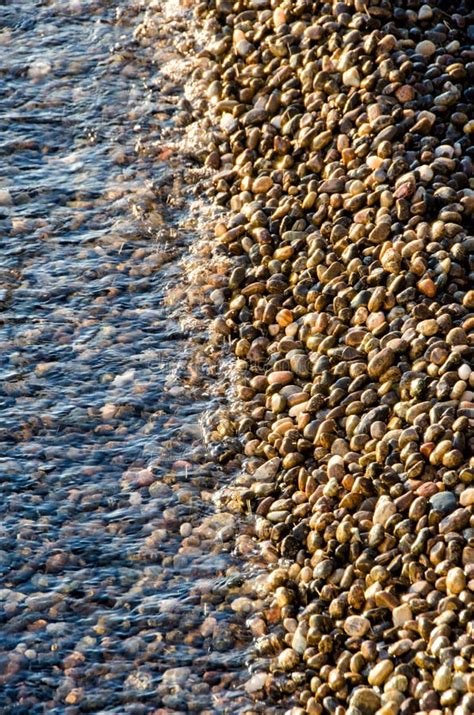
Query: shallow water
{"x":115,"y":569}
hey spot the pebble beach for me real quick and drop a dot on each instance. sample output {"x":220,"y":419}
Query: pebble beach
{"x":237,"y":334}
{"x":341,"y":134}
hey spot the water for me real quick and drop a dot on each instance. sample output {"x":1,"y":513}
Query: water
{"x":115,"y":568}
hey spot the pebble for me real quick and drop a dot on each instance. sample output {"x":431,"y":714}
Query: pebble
{"x":464,"y":372}
{"x":351,"y":77}
{"x":467,"y":497}
{"x":288,"y":659}
{"x":401,"y":614}
{"x":445,"y":502}
{"x":455,"y":580}
{"x":256,"y":683}
{"x":442,"y":678}
{"x":425,"y":48}
{"x":365,"y":700}
{"x":425,"y":12}
{"x":380,"y":672}
{"x":381,"y":362}
{"x":356,"y":626}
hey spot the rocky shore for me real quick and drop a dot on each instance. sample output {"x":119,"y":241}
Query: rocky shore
{"x":340,"y":136}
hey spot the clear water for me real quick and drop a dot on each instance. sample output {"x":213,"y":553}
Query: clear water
{"x":115,"y":569}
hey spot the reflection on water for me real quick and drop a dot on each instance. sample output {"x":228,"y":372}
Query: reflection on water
{"x":117,"y":581}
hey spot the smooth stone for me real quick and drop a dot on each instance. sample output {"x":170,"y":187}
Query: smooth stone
{"x":379,"y":673}
{"x":262,"y":184}
{"x":391,"y":261}
{"x":381,"y":362}
{"x":267,"y":471}
{"x":336,"y":468}
{"x":298,"y":642}
{"x":456,"y":521}
{"x":467,"y":497}
{"x":425,"y":48}
{"x":356,"y":626}
{"x":256,"y":682}
{"x":377,"y":414}
{"x":442,"y":678}
{"x":426,"y":173}
{"x":425,"y":12}
{"x":366,"y":700}
{"x":464,"y":372}
{"x":288,"y":659}
{"x":383,"y":511}
{"x":445,"y":502}
{"x":280,"y":377}
{"x":455,"y":580}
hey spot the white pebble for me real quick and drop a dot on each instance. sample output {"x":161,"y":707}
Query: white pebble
{"x":298,"y":642}
{"x":228,"y":123}
{"x":426,"y":172}
{"x":464,"y":372}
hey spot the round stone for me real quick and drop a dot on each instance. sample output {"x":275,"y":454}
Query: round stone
{"x":455,"y":580}
{"x":464,"y":372}
{"x":425,"y":48}
{"x":356,"y":626}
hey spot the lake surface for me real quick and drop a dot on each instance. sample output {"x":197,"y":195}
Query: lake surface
{"x":117,"y":575}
